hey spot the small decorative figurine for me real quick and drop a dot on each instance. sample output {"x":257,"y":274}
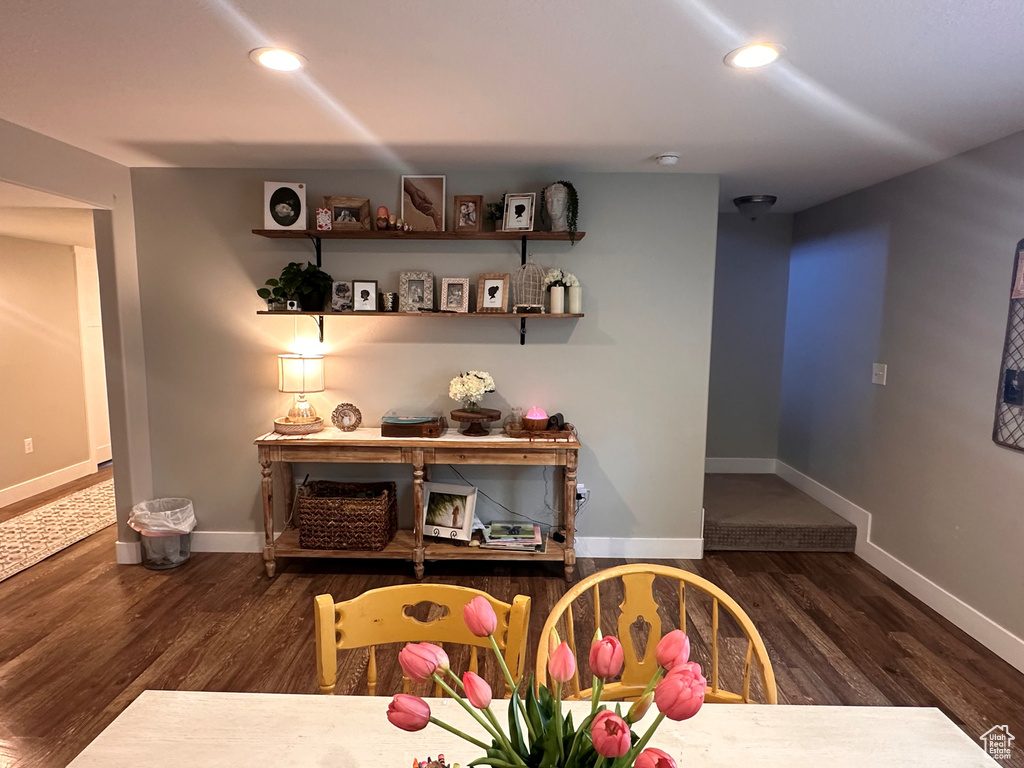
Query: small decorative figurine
{"x":382,"y":217}
{"x":432,"y":763}
{"x":323,"y":219}
{"x":399,"y":224}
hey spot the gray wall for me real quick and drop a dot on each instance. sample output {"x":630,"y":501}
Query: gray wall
{"x":915,"y":273}
{"x":632,"y":375}
{"x":748,"y":334}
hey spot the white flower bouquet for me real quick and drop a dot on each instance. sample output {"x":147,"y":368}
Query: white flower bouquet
{"x":471,"y":386}
{"x":558,"y":277}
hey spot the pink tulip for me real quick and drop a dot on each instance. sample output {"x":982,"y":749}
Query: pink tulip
{"x":654,"y":758}
{"x":477,"y":690}
{"x":681,"y":694}
{"x":610,"y":734}
{"x":421,"y":660}
{"x":606,"y":657}
{"x":410,"y":713}
{"x":640,"y":706}
{"x":674,"y":648}
{"x":562,"y":664}
{"x":480,"y":617}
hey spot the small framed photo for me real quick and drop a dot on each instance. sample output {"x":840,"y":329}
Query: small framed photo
{"x":349,"y":212}
{"x":284,"y":205}
{"x":448,"y":511}
{"x":1018,"y":283}
{"x":341,"y":296}
{"x":423,"y":202}
{"x":519,"y":211}
{"x":468,"y":213}
{"x":323,"y":220}
{"x":454,"y":294}
{"x":492,"y":292}
{"x":364,"y":295}
{"x":415,"y":291}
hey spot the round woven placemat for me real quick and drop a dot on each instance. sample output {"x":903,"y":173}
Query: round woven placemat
{"x":285,"y":427}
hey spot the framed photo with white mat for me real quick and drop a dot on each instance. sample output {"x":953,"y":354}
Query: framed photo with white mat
{"x":448,"y":511}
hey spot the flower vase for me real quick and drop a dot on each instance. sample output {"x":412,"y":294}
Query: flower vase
{"x":471,"y":406}
{"x":575,"y":299}
{"x":557,"y":300}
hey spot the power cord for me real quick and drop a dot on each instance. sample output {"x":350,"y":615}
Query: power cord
{"x":498,"y":503}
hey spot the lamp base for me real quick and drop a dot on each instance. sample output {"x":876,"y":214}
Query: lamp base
{"x":287,"y":427}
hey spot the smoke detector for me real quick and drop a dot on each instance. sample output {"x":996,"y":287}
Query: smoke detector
{"x":669,"y":158}
{"x":753,"y":206}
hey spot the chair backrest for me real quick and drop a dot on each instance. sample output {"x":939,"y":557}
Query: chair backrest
{"x":639,"y":605}
{"x":381,"y":616}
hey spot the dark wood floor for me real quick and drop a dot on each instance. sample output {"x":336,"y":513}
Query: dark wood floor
{"x":81,"y":637}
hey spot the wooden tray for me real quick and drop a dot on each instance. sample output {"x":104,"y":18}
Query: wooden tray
{"x":568,"y":434}
{"x":433,"y":428}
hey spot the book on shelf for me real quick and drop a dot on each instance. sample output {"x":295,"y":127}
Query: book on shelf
{"x":516,"y":542}
{"x":512,"y":531}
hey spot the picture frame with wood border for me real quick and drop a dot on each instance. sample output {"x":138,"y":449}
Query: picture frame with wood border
{"x":454,"y":294}
{"x":361,"y":303}
{"x":475,"y":204}
{"x":488,"y":300}
{"x":415,"y":291}
{"x":516,"y":220}
{"x":348,"y":213}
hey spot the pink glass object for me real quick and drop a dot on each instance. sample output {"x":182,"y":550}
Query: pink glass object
{"x":536,"y":413}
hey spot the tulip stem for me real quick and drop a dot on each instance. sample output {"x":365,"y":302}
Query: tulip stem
{"x":636,"y":750}
{"x":558,"y":722}
{"x":457,"y":732}
{"x":654,"y":681}
{"x":595,"y":696}
{"x":455,"y":677}
{"x":512,"y":687}
{"x":504,"y":739}
{"x":600,"y":762}
{"x":496,"y":735}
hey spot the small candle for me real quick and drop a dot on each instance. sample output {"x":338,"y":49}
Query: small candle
{"x":536,"y":413}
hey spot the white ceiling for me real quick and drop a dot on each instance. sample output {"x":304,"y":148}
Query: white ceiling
{"x":869,"y":89}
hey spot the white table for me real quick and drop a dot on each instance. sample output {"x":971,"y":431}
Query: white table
{"x":222,"y":730}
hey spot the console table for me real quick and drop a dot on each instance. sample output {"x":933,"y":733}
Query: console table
{"x":366,"y":446}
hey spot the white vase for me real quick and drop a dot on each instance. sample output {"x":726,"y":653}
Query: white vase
{"x":575,"y":299}
{"x":557,"y":300}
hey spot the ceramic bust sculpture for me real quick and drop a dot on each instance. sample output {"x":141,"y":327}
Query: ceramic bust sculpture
{"x":556,"y":200}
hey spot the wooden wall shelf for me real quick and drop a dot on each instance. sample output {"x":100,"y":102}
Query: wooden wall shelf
{"x":373,"y":234}
{"x":518,"y":316}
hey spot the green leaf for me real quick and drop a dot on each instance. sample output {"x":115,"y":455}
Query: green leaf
{"x":264,"y":293}
{"x":273,"y":283}
{"x":537,"y":720}
{"x":514,"y":729}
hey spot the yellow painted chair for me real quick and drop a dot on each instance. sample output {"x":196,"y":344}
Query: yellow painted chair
{"x":381,"y":616}
{"x":639,"y":605}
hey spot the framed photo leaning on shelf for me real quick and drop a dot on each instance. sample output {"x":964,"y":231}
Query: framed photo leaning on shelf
{"x":423,"y":202}
{"x":349,"y":213}
{"x":468,"y":213}
{"x":454,"y":294}
{"x":364,"y":295}
{"x":415,"y":291}
{"x":448,"y":511}
{"x":492,"y":292}
{"x":519,"y":209}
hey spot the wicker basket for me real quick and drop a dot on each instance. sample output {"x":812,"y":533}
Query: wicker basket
{"x":347,"y":515}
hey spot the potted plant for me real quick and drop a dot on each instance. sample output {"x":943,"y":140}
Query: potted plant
{"x":275,"y":295}
{"x":539,"y":734}
{"x":496,"y":213}
{"x":308,"y":285}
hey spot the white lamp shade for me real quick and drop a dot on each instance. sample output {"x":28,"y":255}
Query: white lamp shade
{"x":300,"y":373}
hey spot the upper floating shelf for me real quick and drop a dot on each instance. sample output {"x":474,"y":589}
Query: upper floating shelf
{"x":387,"y":234}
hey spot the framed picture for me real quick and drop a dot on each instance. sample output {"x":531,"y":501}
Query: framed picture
{"x":468,"y":213}
{"x":415,"y":291}
{"x":284,"y":205}
{"x":454,"y":294}
{"x":348,"y":212}
{"x":448,"y":511}
{"x":492,"y":292}
{"x":519,"y":211}
{"x":423,"y":203}
{"x":364,"y":295}
{"x":341,"y":296}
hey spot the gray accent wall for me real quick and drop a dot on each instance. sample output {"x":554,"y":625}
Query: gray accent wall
{"x":632,"y":375}
{"x":748,"y":334}
{"x":914,"y":273}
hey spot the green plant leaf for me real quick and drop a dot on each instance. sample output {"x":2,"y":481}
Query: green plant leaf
{"x":264,"y":293}
{"x":273,"y":283}
{"x":537,"y":720}
{"x":514,"y":729}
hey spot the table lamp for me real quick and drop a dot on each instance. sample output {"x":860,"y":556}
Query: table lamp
{"x":299,"y":374}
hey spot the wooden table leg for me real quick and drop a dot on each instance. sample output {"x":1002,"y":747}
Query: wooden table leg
{"x":418,"y":473}
{"x":267,"y":487}
{"x":288,"y":484}
{"x":569,"y":512}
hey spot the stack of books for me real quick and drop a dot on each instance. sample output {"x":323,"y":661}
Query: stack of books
{"x":514,"y":537}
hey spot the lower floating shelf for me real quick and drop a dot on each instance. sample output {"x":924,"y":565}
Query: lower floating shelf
{"x":287,"y":545}
{"x":517,"y":315}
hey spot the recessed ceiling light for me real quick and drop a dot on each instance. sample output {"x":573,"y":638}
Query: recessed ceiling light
{"x":668,"y":158}
{"x":278,"y":59}
{"x":753,"y":56}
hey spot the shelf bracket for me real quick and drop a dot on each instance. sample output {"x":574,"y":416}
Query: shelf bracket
{"x":317,"y":244}
{"x":319,"y":320}
{"x":522,"y":320}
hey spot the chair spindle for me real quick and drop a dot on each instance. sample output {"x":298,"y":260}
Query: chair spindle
{"x":714,"y":645}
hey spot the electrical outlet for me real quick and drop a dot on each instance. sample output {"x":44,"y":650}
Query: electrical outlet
{"x":582,"y":495}
{"x":878,"y":373}
{"x":28,"y":445}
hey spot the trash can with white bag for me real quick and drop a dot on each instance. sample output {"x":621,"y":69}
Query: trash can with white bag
{"x":165,"y":528}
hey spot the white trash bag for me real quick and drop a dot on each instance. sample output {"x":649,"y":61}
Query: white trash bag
{"x":163,"y":516}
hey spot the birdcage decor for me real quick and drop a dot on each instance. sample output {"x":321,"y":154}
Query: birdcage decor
{"x":528,"y":288}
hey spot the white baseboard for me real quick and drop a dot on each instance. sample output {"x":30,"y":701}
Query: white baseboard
{"x":640,"y":549}
{"x":22,"y":491}
{"x":727,"y":466}
{"x":227,"y":541}
{"x":993,"y":636}
{"x":128,"y":552}
{"x":103,"y":453}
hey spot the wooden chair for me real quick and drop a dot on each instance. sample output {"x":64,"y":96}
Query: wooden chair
{"x":382,"y":616}
{"x":639,"y":605}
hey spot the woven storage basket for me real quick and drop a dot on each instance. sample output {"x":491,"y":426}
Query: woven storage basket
{"x":347,"y":515}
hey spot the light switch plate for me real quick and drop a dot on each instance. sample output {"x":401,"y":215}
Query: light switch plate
{"x":878,"y":371}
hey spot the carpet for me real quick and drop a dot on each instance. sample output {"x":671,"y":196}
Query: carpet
{"x":35,"y":535}
{"x":764,"y":513}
